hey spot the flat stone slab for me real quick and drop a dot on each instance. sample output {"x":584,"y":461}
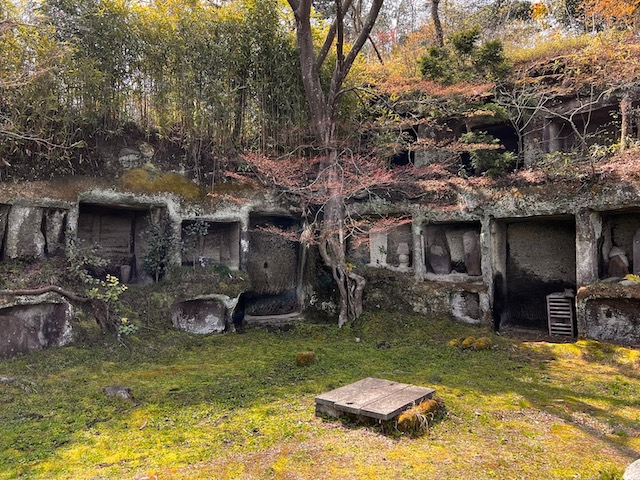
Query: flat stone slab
{"x":372,"y":397}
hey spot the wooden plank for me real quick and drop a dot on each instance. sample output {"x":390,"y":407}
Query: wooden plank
{"x":393,"y":405}
{"x":355,"y":403}
{"x":372,"y":397}
{"x":356,"y":392}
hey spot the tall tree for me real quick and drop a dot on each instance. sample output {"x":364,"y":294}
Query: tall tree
{"x":323,"y":111}
{"x":437,"y":25}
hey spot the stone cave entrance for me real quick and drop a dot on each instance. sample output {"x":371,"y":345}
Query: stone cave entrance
{"x":211,"y":243}
{"x":119,"y":233}
{"x":538,"y":258}
{"x":273,"y":264}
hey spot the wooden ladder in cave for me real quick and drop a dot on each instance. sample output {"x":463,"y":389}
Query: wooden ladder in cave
{"x":560,"y":314}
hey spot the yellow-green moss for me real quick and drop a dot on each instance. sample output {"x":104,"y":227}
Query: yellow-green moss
{"x":482,"y":343}
{"x":417,"y":419}
{"x":304,"y":359}
{"x":142,"y":180}
{"x":467,"y":342}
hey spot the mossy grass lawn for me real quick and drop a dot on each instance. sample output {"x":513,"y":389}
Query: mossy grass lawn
{"x":237,"y":406}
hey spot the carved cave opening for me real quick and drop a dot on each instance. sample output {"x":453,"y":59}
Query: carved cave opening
{"x":120,"y":234}
{"x":620,"y":244}
{"x":208,"y":242}
{"x":452,"y":248}
{"x":273,"y":264}
{"x":540,"y":260}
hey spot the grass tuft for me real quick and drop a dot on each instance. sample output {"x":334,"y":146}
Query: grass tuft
{"x":418,"y":419}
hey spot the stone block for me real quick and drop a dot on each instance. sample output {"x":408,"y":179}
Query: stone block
{"x":203,"y":315}
{"x":32,"y":323}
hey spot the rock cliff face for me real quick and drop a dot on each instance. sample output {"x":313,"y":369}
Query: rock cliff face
{"x":488,"y":253}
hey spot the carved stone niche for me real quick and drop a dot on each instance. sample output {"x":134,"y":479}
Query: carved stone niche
{"x":452,"y":251}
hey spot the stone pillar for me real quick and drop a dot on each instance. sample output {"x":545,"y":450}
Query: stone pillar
{"x":378,"y":249}
{"x":55,"y":221}
{"x":419,"y":265}
{"x":24,"y":237}
{"x":493,"y":239}
{"x":244,"y":242}
{"x":636,"y":253}
{"x":588,"y":233}
{"x":553,"y":128}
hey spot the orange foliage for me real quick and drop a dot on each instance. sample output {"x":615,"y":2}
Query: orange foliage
{"x":613,"y":11}
{"x":314,"y":181}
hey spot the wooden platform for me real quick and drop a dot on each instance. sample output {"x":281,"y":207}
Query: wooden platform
{"x":372,"y":397}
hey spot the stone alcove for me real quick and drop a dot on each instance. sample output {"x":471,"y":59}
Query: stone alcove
{"x":620,"y":230}
{"x":452,"y":250}
{"x":119,"y":231}
{"x":534,"y":257}
{"x":273,"y":264}
{"x":391,"y":248}
{"x":211,"y":243}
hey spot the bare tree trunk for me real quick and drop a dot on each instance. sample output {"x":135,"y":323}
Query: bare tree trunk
{"x":333,"y":248}
{"x":323,"y":113}
{"x":625,"y":119}
{"x":437,"y":25}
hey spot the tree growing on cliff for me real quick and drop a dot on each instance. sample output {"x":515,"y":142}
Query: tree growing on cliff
{"x":331,"y":187}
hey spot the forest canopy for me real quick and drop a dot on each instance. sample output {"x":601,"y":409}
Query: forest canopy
{"x":207,"y":80}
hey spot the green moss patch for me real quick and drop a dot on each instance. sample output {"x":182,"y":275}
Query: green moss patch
{"x":236,"y":406}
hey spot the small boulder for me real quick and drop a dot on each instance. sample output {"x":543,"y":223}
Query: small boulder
{"x":118,"y":391}
{"x":633,"y":471}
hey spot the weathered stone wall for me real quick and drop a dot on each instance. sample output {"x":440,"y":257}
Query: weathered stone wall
{"x":24,"y":237}
{"x":398,"y":292}
{"x":31,"y":231}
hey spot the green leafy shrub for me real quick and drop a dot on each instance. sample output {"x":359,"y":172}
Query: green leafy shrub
{"x":436,"y":65}
{"x":487,"y":156}
{"x":464,"y":60}
{"x":162,"y":244}
{"x":80,"y":260}
{"x":464,"y":42}
{"x":490,"y":60}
